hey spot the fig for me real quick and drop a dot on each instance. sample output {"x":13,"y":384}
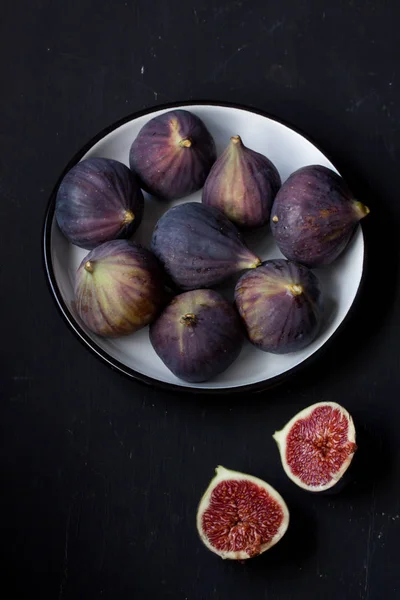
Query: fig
{"x":280,"y":304}
{"x":199,"y":246}
{"x":198,"y":335}
{"x":314,"y":216}
{"x":119,"y":288}
{"x":317,"y":446}
{"x":98,"y":200}
{"x":240,"y":516}
{"x":173,"y":154}
{"x":242,"y":184}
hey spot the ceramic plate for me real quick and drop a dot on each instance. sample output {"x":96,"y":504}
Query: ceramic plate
{"x":134,"y":354}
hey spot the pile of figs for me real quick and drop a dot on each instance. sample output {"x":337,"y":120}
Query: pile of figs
{"x":122,"y":287}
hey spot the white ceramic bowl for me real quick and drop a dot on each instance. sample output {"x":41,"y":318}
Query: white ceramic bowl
{"x":134,"y":355}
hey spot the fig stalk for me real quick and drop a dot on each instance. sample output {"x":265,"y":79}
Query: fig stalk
{"x":89,"y":266}
{"x":185,"y":143}
{"x":128,"y":217}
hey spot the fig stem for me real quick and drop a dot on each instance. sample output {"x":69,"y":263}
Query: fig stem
{"x":89,"y":266}
{"x":189,"y":319}
{"x":185,"y":143}
{"x":128,"y":217}
{"x":295,"y":289}
{"x":236,"y":139}
{"x":361,"y":209}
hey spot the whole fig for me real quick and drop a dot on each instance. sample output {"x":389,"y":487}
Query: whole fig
{"x":314,"y":216}
{"x":173,"y":154}
{"x":98,"y":200}
{"x":119,"y":288}
{"x":198,"y":335}
{"x":199,"y":246}
{"x":242,"y":184}
{"x":280,"y":304}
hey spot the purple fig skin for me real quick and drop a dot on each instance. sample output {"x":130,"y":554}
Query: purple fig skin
{"x":173,"y":154}
{"x":198,"y":335}
{"x":119,"y":288}
{"x":314,"y":216}
{"x":280,"y":304}
{"x":199,"y":246}
{"x":242,"y":184}
{"x":98,"y":200}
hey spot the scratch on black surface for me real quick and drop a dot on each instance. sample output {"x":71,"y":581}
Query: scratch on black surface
{"x":369,"y":543}
{"x":225,"y":63}
{"x":65,"y":559}
{"x":196,"y":16}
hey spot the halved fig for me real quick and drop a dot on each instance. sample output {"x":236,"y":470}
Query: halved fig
{"x":317,"y":446}
{"x":240,"y":516}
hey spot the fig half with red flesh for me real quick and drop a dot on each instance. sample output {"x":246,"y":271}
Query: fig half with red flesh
{"x":240,"y":516}
{"x":317,"y":446}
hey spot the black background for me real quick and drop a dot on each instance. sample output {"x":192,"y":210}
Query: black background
{"x":100,"y":475}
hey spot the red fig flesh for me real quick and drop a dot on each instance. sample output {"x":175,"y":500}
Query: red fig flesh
{"x":240,"y":516}
{"x":317,"y":446}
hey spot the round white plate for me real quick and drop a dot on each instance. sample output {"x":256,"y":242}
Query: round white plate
{"x":134,"y":354}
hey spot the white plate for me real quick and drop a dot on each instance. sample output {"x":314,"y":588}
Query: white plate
{"x":134,"y":354}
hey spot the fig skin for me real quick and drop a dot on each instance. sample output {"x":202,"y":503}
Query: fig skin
{"x":314,"y":216}
{"x":198,"y":335}
{"x":280,"y":304}
{"x":199,"y":246}
{"x":173,"y":154}
{"x":98,"y":200}
{"x":242,"y":184}
{"x":119,"y":288}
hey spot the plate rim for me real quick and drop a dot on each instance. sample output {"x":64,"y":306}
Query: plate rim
{"x":101,"y":354}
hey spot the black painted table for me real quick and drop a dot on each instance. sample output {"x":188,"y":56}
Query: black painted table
{"x":100,"y":476}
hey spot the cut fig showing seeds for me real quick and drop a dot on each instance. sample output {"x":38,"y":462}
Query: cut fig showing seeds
{"x":240,"y":516}
{"x":317,"y":446}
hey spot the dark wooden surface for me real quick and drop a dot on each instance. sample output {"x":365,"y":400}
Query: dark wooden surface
{"x":100,"y":476}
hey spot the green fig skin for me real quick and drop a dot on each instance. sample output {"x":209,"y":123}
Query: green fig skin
{"x":119,"y":288}
{"x":242,"y":184}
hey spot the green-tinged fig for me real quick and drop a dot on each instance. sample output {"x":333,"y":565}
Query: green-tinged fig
{"x":119,"y":288}
{"x":98,"y":200}
{"x":240,"y":516}
{"x":199,"y":246}
{"x":173,"y":154}
{"x":317,"y":446}
{"x":242,"y":184}
{"x":314,"y":216}
{"x":280,"y":304}
{"x":198,"y":335}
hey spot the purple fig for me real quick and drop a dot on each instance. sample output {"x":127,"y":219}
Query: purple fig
{"x":314,"y":216}
{"x":98,"y":200}
{"x":119,"y":288}
{"x":173,"y":154}
{"x":242,"y":184}
{"x":198,"y":335}
{"x":199,"y":246}
{"x":280,"y":304}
